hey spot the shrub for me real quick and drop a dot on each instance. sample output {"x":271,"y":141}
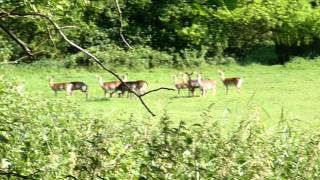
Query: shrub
{"x":114,"y":56}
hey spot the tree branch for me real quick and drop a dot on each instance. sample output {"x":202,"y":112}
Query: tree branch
{"x":95,"y":59}
{"x":16,"y":39}
{"x":121,"y":25}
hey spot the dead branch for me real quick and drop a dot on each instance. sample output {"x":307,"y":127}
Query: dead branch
{"x":121,"y":25}
{"x":95,"y":59}
{"x":22,"y":44}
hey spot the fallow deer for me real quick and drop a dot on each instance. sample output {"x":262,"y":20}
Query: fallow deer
{"x":139,"y":87}
{"x":180,"y":85}
{"x":77,"y":85}
{"x":68,"y":87}
{"x":206,"y":85}
{"x":112,"y":85}
{"x":192,"y":84}
{"x":59,"y":86}
{"x":232,"y":81}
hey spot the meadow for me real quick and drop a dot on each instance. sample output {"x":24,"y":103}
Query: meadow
{"x":292,"y":88}
{"x":268,"y":131}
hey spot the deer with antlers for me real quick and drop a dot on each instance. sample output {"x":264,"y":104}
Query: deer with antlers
{"x":68,"y":87}
{"x":111,"y":85}
{"x":206,"y":85}
{"x":231,"y":81}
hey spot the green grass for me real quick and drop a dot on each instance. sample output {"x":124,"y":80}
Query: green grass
{"x":266,"y":89}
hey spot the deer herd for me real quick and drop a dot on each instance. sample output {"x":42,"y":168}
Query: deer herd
{"x":140,"y":86}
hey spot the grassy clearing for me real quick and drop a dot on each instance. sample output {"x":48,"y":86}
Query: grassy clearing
{"x":267,"y":88}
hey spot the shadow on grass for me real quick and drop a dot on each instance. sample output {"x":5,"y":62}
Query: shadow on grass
{"x":95,"y":99}
{"x":183,"y":97}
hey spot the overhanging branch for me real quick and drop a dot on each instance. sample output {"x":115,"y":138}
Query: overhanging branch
{"x":22,"y":44}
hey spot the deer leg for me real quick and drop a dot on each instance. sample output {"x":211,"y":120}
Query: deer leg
{"x":55,"y":93}
{"x":227,"y":89}
{"x":192,"y":91}
{"x":86,"y":93}
{"x":178,"y":91}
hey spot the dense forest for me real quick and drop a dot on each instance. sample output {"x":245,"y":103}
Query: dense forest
{"x":151,"y":33}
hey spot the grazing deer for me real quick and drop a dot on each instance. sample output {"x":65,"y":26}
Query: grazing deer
{"x":192,"y":84}
{"x":180,"y":85}
{"x":139,"y":87}
{"x":68,"y":87}
{"x":112,"y":85}
{"x":206,"y":85}
{"x":232,"y":81}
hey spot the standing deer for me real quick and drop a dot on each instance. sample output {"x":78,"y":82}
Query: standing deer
{"x":139,"y":87}
{"x":206,"y":85}
{"x":180,"y":85}
{"x":68,"y":87}
{"x":112,"y":85}
{"x":192,"y":84}
{"x":232,"y":81}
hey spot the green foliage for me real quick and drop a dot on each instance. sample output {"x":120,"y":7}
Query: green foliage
{"x":226,"y":28}
{"x":113,"y":56}
{"x":52,"y":140}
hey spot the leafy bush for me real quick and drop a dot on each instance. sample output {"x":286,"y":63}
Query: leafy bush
{"x":49,"y":139}
{"x":6,"y":50}
{"x":114,"y":56}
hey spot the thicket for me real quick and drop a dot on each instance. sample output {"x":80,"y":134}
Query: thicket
{"x":166,"y":32}
{"x":51,"y":139}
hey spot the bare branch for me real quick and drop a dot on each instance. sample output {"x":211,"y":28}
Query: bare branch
{"x":95,"y":59}
{"x":121,"y":25}
{"x":164,"y":88}
{"x":16,"y":39}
